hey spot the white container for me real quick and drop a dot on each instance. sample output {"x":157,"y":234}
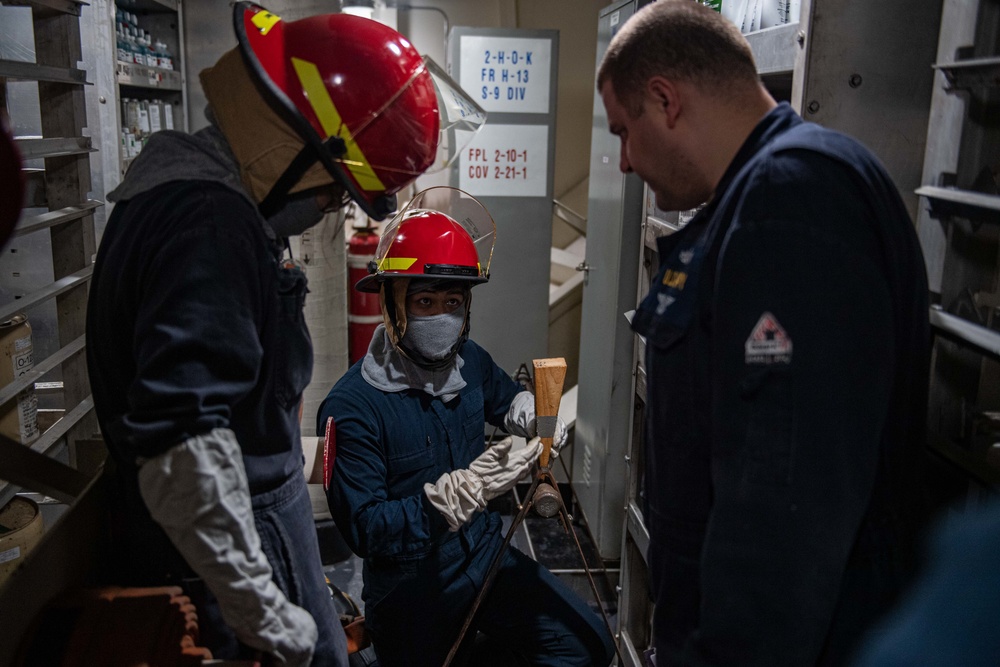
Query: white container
{"x":19,"y":415}
{"x":20,"y":530}
{"x":155,"y":112}
{"x":143,"y":118}
{"x":130,"y":145}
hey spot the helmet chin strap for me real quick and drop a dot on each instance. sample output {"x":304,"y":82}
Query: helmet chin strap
{"x":379,"y":209}
{"x":298,"y":167}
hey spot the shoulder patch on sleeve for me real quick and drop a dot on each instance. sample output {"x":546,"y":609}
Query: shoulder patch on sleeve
{"x":768,"y":343}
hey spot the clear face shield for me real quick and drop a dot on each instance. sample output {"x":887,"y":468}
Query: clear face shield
{"x":459,"y":119}
{"x":461,"y":207}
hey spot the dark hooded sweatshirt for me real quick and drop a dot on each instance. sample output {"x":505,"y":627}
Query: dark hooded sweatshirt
{"x":192,"y":324}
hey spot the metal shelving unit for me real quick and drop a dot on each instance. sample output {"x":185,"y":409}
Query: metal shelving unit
{"x":972,"y":74}
{"x":144,"y":82}
{"x":15,"y":70}
{"x":949,"y":203}
{"x":66,"y":218}
{"x":981,"y":339}
{"x":958,"y":225}
{"x":45,"y":273}
{"x":150,"y":78}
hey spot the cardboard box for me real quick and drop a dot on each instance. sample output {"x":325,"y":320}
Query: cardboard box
{"x":20,"y":530}
{"x":19,"y":416}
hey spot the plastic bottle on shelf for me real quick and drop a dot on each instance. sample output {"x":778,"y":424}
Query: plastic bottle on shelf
{"x":143,"y":118}
{"x":154,"y":54}
{"x":133,"y":45}
{"x":131,"y":145}
{"x":131,"y":117}
{"x":140,"y":48}
{"x":124,"y":21}
{"x":121,"y":45}
{"x":147,"y":48}
{"x":168,"y":59}
{"x":144,"y":48}
{"x":163,"y":57}
{"x":130,"y":43}
{"x":168,"y":116}
{"x":155,"y":113}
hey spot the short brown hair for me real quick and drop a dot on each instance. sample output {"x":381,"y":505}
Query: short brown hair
{"x":677,"y":39}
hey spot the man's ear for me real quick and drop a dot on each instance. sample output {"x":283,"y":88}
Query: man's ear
{"x":665,"y":96}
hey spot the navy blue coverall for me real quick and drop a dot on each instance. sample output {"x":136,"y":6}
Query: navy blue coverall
{"x":787,"y":357}
{"x":420,"y":579}
{"x":194,"y":324}
{"x":949,"y":615}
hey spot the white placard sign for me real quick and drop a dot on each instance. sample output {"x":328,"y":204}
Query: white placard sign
{"x":506,"y":161}
{"x":507,"y":74}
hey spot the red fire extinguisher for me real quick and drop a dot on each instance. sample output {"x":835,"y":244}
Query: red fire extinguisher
{"x":363,"y":311}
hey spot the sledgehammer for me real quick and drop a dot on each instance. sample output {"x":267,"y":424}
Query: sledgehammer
{"x":549,"y":377}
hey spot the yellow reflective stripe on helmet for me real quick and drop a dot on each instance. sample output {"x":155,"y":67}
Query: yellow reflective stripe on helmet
{"x":265,"y":21}
{"x":333,"y":125}
{"x":396,"y":263}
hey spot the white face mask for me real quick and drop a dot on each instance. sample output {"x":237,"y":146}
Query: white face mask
{"x":297,"y":215}
{"x":433,"y":336}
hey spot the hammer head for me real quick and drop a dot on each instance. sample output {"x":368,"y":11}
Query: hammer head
{"x":546,"y":501}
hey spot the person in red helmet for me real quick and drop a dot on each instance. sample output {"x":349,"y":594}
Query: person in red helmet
{"x":197,"y":347}
{"x":410,"y":477}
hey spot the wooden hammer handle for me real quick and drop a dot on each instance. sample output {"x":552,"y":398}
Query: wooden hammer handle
{"x":549,"y":377}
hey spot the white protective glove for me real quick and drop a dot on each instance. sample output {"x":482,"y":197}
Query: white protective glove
{"x":500,"y":470}
{"x":198,"y":492}
{"x":520,"y":420}
{"x":459,"y":494}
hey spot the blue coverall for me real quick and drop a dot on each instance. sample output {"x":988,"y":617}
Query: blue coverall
{"x":419,"y":578}
{"x":787,"y":358}
{"x":194,"y":324}
{"x":949,"y":616}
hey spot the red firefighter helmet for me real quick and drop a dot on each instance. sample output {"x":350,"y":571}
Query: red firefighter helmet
{"x":453,"y":240}
{"x":13,"y":180}
{"x":376,"y":114}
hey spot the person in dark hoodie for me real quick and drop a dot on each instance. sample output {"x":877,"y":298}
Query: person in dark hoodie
{"x":197,"y":348}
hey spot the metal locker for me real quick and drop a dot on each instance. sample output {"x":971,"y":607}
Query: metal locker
{"x":604,"y":405}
